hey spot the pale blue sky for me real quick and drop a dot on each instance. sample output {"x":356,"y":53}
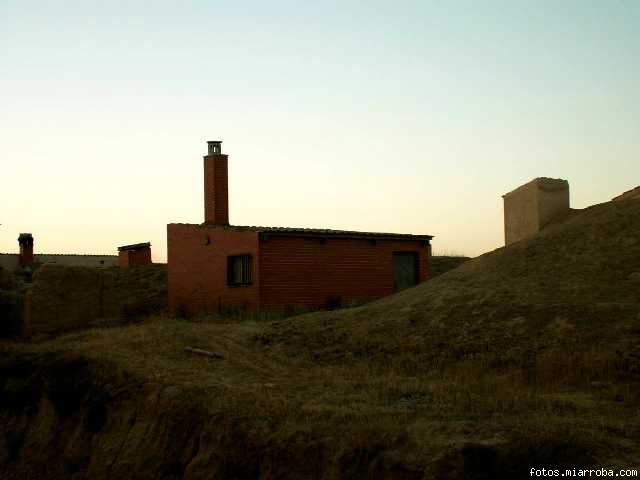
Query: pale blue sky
{"x":396,"y":116}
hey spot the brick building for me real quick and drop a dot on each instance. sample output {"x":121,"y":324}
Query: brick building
{"x":28,"y":258}
{"x":133,"y":255}
{"x":216,"y":264}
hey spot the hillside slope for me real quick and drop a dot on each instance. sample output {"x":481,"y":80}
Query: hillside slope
{"x":574,"y":285}
{"x":439,"y":264}
{"x":525,"y":357}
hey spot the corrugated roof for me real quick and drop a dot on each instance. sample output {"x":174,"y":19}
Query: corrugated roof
{"x":135,"y":246}
{"x":323,"y":232}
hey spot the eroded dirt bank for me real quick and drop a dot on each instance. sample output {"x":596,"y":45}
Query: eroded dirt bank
{"x":67,"y":417}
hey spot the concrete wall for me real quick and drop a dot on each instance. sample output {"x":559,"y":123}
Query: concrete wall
{"x":520,"y":213}
{"x":77,"y":260}
{"x":553,"y":200}
{"x":63,"y":298}
{"x":10,"y":261}
{"x":530,"y":207}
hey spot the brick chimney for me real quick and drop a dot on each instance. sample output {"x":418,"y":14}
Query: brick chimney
{"x":216,"y":188}
{"x":25,"y":240}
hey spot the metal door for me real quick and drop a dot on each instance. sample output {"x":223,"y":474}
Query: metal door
{"x":405,"y":270}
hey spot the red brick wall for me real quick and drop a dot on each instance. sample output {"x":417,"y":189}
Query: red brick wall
{"x":216,"y":190}
{"x":26,"y":255}
{"x":197,"y":267}
{"x":304,"y":271}
{"x":129,"y":258}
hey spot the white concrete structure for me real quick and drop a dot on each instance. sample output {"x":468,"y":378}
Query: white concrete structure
{"x":532,"y":206}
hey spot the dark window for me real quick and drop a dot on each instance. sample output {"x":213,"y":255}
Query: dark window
{"x":239,"y":270}
{"x":405,"y":270}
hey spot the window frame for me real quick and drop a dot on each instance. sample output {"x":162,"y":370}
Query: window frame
{"x":245,"y":282}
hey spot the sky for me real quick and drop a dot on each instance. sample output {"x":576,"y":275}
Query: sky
{"x":403,"y":116}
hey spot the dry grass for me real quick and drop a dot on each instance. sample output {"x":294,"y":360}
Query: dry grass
{"x":555,"y":388}
{"x":587,"y":399}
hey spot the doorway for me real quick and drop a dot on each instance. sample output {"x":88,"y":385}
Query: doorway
{"x":405,"y":270}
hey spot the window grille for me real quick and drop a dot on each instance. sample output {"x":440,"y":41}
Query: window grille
{"x":239,"y":270}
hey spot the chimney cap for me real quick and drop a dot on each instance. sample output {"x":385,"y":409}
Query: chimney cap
{"x":214,"y":147}
{"x":25,"y":239}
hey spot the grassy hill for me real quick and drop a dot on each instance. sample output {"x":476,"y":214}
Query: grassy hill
{"x":439,"y":264}
{"x":528,"y":356}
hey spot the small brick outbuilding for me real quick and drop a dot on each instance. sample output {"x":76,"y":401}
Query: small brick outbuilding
{"x":214,"y":264}
{"x":134,"y":255}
